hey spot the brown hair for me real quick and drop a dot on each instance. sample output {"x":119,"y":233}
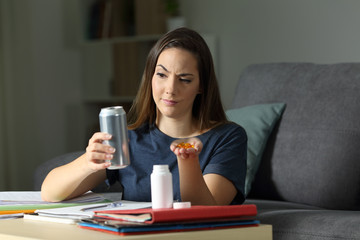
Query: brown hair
{"x":207,"y":107}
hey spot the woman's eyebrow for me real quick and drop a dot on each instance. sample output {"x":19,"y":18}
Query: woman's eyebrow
{"x":160,"y":65}
{"x":185,"y":74}
{"x":180,"y":75}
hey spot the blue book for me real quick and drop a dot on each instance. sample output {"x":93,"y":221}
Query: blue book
{"x":131,"y":228}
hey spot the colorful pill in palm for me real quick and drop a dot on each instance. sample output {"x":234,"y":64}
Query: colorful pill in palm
{"x":185,"y":145}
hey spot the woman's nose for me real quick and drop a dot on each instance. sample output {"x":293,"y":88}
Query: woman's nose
{"x":171,"y":85}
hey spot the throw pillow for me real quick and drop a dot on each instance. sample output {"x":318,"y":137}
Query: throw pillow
{"x":258,"y":122}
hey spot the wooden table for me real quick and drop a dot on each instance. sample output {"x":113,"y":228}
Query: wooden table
{"x":31,"y":229}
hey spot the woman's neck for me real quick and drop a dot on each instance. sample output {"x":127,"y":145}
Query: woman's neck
{"x":183,"y":128}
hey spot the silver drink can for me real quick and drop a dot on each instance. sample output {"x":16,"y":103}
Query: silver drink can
{"x":113,"y":121}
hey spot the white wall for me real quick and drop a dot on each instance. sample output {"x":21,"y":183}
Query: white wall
{"x":42,"y":84}
{"x":257,"y":31}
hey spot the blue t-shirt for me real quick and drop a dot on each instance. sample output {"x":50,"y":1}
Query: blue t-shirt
{"x":224,"y":153}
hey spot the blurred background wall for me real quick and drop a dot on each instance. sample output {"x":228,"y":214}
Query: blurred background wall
{"x":44,"y":63}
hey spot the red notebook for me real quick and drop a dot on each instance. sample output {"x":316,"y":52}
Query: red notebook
{"x":192,"y":214}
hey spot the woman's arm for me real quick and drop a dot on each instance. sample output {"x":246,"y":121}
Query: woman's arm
{"x":80,"y":175}
{"x":211,"y":189}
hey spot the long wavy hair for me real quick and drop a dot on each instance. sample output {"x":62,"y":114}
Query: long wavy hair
{"x":207,"y":108}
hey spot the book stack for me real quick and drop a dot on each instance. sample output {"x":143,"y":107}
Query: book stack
{"x":117,"y":18}
{"x":150,"y":17}
{"x":16,"y":203}
{"x":110,"y":18}
{"x":148,"y":220}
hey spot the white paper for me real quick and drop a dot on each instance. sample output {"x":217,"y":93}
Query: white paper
{"x":34,"y":197}
{"x":77,"y":213}
{"x":49,"y":219}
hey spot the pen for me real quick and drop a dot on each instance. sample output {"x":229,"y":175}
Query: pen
{"x":108,"y":205}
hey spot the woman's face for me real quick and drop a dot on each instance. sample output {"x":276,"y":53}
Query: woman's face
{"x":175,"y":83}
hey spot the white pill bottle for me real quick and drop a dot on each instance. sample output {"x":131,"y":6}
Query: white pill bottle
{"x":161,"y":187}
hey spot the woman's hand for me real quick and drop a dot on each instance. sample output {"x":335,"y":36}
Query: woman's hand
{"x":186,"y":148}
{"x":99,"y":155}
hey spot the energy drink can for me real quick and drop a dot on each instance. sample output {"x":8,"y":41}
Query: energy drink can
{"x":113,"y":121}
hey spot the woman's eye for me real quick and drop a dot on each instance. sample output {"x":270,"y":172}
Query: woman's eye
{"x":185,"y":80}
{"x":161,"y":75}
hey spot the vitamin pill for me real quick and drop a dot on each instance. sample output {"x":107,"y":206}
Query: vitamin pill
{"x":185,"y":145}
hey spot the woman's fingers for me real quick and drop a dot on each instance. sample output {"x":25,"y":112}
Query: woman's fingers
{"x":186,"y":148}
{"x":99,"y":147}
{"x":99,"y":155}
{"x":99,"y":137}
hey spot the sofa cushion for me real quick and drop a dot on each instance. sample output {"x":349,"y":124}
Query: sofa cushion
{"x":313,"y":157}
{"x":300,"y":224}
{"x":298,"y":221}
{"x":258,"y":122}
{"x":273,"y":205}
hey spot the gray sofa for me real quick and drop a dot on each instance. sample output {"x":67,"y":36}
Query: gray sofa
{"x":308,"y":182}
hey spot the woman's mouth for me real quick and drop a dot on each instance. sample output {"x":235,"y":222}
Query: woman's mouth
{"x":169,"y":102}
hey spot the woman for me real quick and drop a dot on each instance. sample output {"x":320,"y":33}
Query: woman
{"x":178,"y":101}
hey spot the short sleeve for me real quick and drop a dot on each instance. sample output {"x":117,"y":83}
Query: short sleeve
{"x":228,"y":157}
